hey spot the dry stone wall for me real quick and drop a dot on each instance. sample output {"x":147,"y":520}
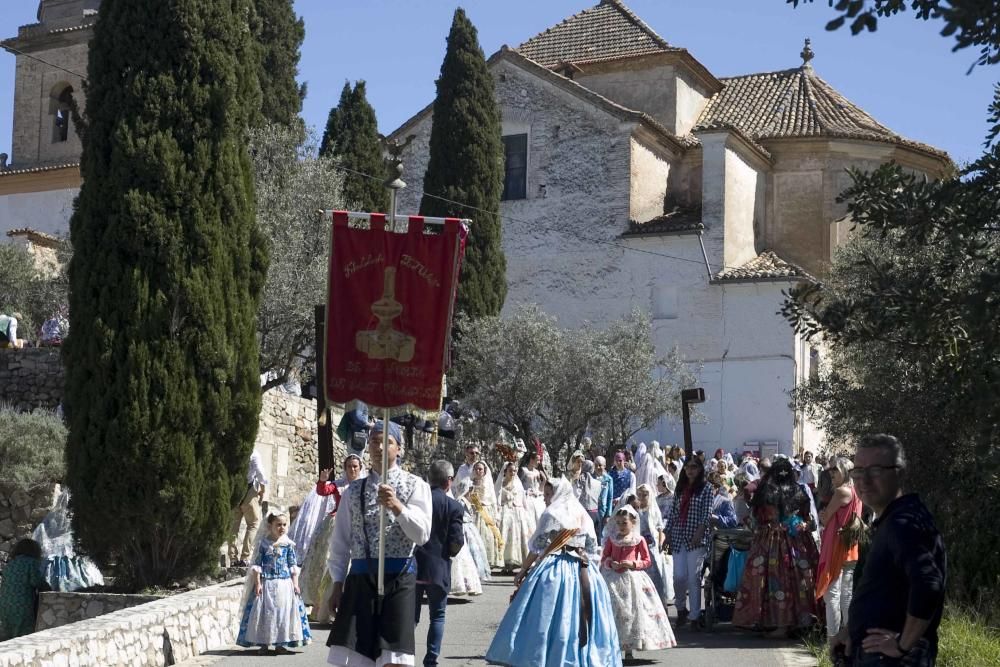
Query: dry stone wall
{"x":20,"y":512}
{"x":57,"y":609}
{"x":31,"y":378}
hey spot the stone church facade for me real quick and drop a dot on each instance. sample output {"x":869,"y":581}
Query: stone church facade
{"x":635,"y":178}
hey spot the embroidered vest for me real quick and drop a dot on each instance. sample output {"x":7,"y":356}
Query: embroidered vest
{"x":397,"y":545}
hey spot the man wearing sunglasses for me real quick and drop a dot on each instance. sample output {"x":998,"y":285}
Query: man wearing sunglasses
{"x":897,"y":604}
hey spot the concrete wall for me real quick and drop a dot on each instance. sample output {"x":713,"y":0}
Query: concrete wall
{"x":158,"y":633}
{"x":31,"y":378}
{"x":47,"y":211}
{"x":649,"y":174}
{"x":691,"y":100}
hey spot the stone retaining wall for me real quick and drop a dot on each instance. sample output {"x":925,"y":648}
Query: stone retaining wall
{"x":57,"y":609}
{"x":20,"y":512}
{"x":31,"y":378}
{"x":163,"y":632}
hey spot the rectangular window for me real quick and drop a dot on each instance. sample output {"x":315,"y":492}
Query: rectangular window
{"x":515,"y":166}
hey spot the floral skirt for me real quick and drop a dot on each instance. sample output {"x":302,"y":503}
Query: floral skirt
{"x":464,"y":575}
{"x":314,"y":563}
{"x":477,"y":550}
{"x":276,"y":617}
{"x":494,"y":551}
{"x":516,"y":529}
{"x":639,"y":615}
{"x":778,"y":584}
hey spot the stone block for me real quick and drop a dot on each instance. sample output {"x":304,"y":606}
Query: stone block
{"x":7,"y":528}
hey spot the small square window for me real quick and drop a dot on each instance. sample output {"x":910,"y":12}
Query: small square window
{"x":664,"y":302}
{"x":515,"y":166}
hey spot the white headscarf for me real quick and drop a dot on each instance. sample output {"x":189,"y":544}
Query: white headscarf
{"x":563,"y":512}
{"x":488,"y":496}
{"x":632,"y":538}
{"x":516,"y":486}
{"x":623,"y":502}
{"x":648,"y":470}
{"x":652,"y":509}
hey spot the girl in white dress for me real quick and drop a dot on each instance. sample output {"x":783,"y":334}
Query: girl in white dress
{"x":273,"y":614}
{"x":465,"y":578}
{"x":516,"y":523}
{"x":473,"y":540}
{"x":639,"y":614}
{"x":533,"y":479}
{"x":484,"y":502}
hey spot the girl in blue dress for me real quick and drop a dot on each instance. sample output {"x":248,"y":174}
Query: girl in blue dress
{"x":561,"y":614}
{"x":274,"y":614}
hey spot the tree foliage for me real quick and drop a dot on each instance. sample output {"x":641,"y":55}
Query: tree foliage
{"x":352,"y":138}
{"x":972,"y":22}
{"x":912,"y":319}
{"x":466,"y":166}
{"x":32,"y":448}
{"x":531,"y":377}
{"x":291,"y":185}
{"x":279,"y":36}
{"x":162,"y":390}
{"x":37,"y":293}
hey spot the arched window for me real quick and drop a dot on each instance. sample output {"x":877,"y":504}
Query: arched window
{"x":62,"y":105}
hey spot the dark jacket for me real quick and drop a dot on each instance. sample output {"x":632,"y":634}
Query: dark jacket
{"x":904,"y":572}
{"x":447,"y":539}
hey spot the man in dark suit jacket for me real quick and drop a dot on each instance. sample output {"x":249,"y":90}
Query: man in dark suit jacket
{"x":434,"y":557}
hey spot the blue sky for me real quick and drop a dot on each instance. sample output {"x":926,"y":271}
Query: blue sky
{"x":905,"y":75}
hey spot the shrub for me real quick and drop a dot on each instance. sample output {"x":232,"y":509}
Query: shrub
{"x":32,"y":447}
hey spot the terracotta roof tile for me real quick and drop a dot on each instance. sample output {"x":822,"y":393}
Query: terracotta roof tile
{"x":608,"y":30}
{"x":678,"y":221}
{"x":795,"y":103}
{"x":765,"y":266}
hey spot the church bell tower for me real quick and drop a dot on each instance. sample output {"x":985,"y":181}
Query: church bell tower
{"x":51,"y":60}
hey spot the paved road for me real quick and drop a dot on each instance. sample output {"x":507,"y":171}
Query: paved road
{"x":471,"y":625}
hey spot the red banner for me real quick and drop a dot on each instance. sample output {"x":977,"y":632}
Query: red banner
{"x":389,"y":311}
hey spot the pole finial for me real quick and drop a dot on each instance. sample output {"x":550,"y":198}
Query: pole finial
{"x":807,"y":53}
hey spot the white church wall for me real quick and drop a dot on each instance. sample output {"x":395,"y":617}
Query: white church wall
{"x":651,"y":89}
{"x":691,"y":100}
{"x":649,"y":174}
{"x":744,"y":204}
{"x":47,"y":211}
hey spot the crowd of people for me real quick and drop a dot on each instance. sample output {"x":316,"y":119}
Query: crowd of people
{"x":600,"y":553}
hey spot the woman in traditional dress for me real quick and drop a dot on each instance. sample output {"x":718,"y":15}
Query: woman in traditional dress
{"x":842,"y":527}
{"x":516,"y":523}
{"x":533,"y":478}
{"x":640,"y":616}
{"x":651,"y":529}
{"x":473,"y":539}
{"x":549,"y":622}
{"x":466,"y":572}
{"x":22,"y":582}
{"x":665,"y":485}
{"x":777,"y":591}
{"x":274,"y":614}
{"x":315,"y":578}
{"x":484,"y":502}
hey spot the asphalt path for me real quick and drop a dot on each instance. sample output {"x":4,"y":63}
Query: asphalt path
{"x":471,"y":624}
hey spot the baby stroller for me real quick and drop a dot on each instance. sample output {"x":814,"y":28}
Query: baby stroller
{"x":719,"y":603}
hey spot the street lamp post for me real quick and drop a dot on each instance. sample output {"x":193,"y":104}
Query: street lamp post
{"x":689,"y":396}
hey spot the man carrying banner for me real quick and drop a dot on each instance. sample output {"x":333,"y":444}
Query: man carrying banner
{"x":369,"y":631}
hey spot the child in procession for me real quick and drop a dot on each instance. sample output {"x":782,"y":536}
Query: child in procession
{"x":639,"y":614}
{"x":274,"y":614}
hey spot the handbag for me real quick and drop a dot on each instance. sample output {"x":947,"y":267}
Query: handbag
{"x":734,"y":571}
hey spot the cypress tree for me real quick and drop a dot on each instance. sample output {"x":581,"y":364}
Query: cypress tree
{"x":332,"y":135}
{"x":466,"y":165}
{"x":162,"y":389}
{"x":351,"y":136}
{"x":279,"y":38}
